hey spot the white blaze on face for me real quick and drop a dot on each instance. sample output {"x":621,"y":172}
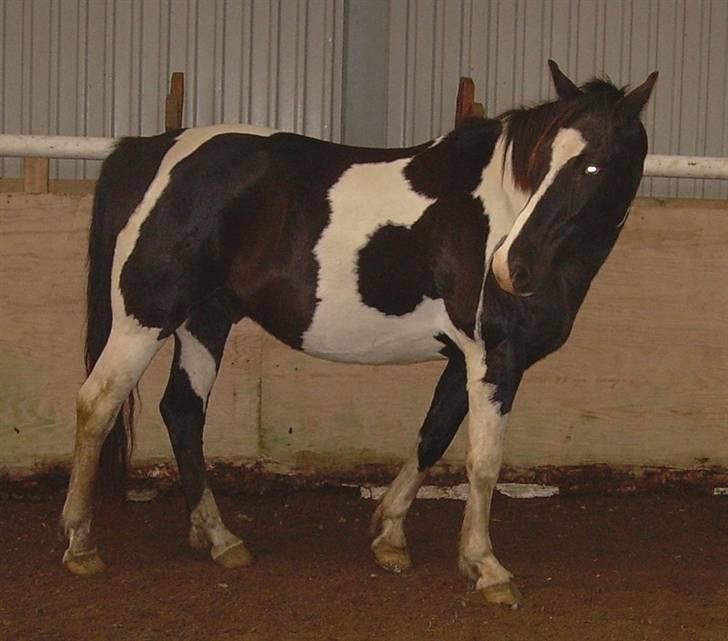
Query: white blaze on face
{"x":567,"y":144}
{"x":502,"y":200}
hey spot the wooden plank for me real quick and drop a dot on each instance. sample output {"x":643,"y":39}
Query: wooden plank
{"x":35,"y":175}
{"x":478,"y":110}
{"x":174,"y":103}
{"x":464,"y":100}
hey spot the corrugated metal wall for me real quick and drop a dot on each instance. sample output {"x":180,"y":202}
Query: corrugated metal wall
{"x":368,"y":71}
{"x":102,"y":67}
{"x":504,"y":45}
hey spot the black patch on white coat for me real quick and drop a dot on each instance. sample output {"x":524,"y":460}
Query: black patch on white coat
{"x":275,"y":271}
{"x":179,"y":257}
{"x":184,"y":416}
{"x":447,"y":410}
{"x":393,"y":271}
{"x":126,"y":175}
{"x":440,"y":257}
{"x":241,"y":213}
{"x":182,"y":409}
{"x":455,"y":164}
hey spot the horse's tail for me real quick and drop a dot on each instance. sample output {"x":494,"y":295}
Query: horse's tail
{"x":105,"y":227}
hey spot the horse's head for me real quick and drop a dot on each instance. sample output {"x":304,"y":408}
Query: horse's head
{"x":581,"y":159}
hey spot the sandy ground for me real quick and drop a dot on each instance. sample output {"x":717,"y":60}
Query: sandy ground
{"x":640,"y":567}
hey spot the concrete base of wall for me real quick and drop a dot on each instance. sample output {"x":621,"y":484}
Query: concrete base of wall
{"x":240,"y":477}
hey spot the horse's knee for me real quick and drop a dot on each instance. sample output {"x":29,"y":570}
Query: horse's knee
{"x":482,"y":474}
{"x":430,"y":449}
{"x":95,"y":408}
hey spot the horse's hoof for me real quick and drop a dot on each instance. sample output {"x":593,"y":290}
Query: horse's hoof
{"x":236,"y":556}
{"x":84,"y":564}
{"x":392,"y":559}
{"x":503,"y":594}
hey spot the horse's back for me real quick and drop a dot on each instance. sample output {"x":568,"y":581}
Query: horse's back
{"x":286,"y":224}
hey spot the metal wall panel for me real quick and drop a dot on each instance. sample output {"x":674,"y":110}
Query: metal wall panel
{"x":504,"y":44}
{"x":102,"y":67}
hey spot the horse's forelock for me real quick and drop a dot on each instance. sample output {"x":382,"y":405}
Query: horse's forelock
{"x":530,"y":131}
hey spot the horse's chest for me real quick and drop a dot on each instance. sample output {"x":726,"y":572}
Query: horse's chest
{"x":374,"y":300}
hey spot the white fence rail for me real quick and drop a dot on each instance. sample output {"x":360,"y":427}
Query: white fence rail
{"x":98,"y":148}
{"x":686,"y":166}
{"x":78,"y":147}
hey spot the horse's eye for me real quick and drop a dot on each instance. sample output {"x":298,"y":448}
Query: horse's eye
{"x":591,"y":170}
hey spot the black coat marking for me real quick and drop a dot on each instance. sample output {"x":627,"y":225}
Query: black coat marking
{"x":447,"y":410}
{"x":242,"y":214}
{"x":246,"y":213}
{"x":393,"y":271}
{"x":440,"y":256}
{"x":455,"y":165}
{"x":181,"y":408}
{"x":120,"y":188}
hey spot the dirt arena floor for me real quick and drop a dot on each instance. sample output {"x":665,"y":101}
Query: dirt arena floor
{"x":651,"y":566}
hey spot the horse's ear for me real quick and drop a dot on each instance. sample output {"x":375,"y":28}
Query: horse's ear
{"x":564,"y":87}
{"x":632,"y":104}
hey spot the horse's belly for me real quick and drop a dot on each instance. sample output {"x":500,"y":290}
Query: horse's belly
{"x":352,"y":332}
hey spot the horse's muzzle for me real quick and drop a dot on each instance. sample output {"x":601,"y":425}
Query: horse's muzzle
{"x":515,"y":279}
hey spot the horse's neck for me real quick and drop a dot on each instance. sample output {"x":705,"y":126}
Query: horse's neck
{"x":502,"y":198}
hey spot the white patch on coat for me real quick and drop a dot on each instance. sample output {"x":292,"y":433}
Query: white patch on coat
{"x":186,"y":144}
{"x":502,"y":200}
{"x":395,"y":504}
{"x":198,"y":363}
{"x":205,"y":519}
{"x":486,"y":438}
{"x":486,"y":425}
{"x":567,"y":144}
{"x":366,"y":197}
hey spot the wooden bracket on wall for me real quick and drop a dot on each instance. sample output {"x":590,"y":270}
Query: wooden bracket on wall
{"x":175,"y":101}
{"x":35,"y":175}
{"x":465,"y":106}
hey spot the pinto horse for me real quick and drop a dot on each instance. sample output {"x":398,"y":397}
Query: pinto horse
{"x":477,"y":247}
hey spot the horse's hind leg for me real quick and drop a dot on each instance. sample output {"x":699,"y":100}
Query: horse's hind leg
{"x":122,"y":362}
{"x":198,"y":349}
{"x":447,"y":410}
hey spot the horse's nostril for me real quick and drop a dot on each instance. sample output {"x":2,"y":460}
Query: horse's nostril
{"x":520,"y":277}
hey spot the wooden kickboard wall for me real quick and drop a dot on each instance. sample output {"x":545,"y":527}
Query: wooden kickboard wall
{"x":643,"y":380}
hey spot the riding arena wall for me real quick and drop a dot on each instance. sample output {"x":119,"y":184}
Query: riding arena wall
{"x":637,"y":396}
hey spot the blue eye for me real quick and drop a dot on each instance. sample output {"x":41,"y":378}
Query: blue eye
{"x":591,"y":170}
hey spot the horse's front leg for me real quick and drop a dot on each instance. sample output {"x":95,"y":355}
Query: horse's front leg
{"x":447,"y":410}
{"x":492,"y":383}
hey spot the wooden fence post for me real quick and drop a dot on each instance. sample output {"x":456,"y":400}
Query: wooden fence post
{"x":35,"y":175}
{"x":465,"y":105}
{"x":175,"y":101}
